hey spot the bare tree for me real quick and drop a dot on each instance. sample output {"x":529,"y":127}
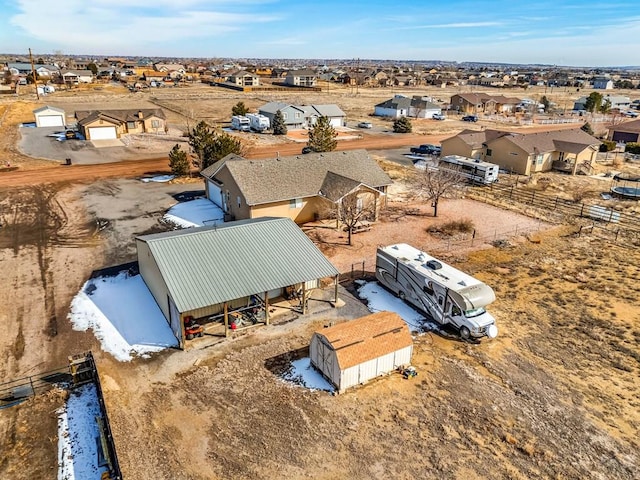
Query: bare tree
{"x":352,"y":210}
{"x":440,"y":180}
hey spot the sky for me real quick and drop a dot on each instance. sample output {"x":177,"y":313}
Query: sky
{"x":572,"y":33}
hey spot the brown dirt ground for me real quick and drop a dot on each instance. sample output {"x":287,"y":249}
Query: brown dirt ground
{"x":554,"y":396}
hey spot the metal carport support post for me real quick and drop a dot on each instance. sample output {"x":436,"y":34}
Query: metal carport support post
{"x":266,"y":308}
{"x":335,"y":293}
{"x":226,"y":320}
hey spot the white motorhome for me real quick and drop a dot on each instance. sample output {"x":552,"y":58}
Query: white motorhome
{"x":258,"y":122}
{"x":240,"y":122}
{"x":443,"y":292}
{"x":475,"y":170}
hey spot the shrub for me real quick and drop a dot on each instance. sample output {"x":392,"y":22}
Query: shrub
{"x":632,"y":147}
{"x":607,"y":146}
{"x":452,"y":228}
{"x":402,"y":125}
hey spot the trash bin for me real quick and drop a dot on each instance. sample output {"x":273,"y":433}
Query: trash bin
{"x":67,"y":161}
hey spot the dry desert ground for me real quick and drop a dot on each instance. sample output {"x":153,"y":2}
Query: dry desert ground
{"x":555,"y":396}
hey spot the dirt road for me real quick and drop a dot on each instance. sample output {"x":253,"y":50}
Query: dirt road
{"x":136,"y":168}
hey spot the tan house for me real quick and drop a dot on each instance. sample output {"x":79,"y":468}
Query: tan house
{"x":244,"y":79}
{"x":301,"y":78}
{"x":525,"y":153}
{"x":482,"y":103}
{"x":301,"y":187}
{"x":109,"y":124}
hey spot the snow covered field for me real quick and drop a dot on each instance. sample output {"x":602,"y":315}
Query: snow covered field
{"x":123,"y":315}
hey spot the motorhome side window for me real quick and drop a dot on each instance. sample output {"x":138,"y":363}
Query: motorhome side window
{"x":455,"y":310}
{"x":440,"y":300}
{"x":427,"y":289}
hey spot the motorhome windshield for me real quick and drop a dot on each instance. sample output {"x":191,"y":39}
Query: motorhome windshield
{"x":474,"y":312}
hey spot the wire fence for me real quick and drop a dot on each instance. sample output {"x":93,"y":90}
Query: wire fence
{"x":623,"y":227}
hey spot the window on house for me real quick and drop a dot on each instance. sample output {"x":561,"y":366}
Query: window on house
{"x":297,"y":114}
{"x":155,"y":123}
{"x":284,"y":116}
{"x":239,"y":202}
{"x":539,"y":159}
{"x":295,"y":203}
{"x":131,"y":125}
{"x":488,"y":152}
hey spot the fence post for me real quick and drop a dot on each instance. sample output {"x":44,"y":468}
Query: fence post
{"x":582,"y":211}
{"x":511,"y":192}
{"x":362,"y":269}
{"x":33,"y":392}
{"x":533,"y":196}
{"x":610,"y":215}
{"x":556,"y":204}
{"x":352,"y":271}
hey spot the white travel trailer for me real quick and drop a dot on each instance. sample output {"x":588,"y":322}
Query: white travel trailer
{"x":240,"y":122}
{"x":258,"y":122}
{"x":443,"y":292}
{"x":475,"y":170}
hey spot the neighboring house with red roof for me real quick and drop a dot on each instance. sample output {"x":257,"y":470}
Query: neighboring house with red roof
{"x":357,"y":351}
{"x":525,"y":153}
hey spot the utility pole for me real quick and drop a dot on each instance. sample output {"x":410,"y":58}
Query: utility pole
{"x":33,"y":74}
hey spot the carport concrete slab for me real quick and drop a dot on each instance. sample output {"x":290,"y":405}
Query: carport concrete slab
{"x":107,"y":142}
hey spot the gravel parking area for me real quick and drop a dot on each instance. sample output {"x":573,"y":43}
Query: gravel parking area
{"x":34,"y":142}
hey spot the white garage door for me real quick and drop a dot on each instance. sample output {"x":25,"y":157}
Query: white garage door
{"x":50,"y":121}
{"x":102,"y":133}
{"x":215,"y":194}
{"x":336,"y":122}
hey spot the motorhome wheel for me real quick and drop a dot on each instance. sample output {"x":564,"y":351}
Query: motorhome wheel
{"x":465,"y":333}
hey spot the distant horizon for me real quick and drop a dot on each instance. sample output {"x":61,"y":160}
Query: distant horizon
{"x":564,"y":33}
{"x":324,"y":61}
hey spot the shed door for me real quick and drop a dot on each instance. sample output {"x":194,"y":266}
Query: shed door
{"x":336,"y":122}
{"x":51,"y":121}
{"x":102,"y":133}
{"x":174,"y":320}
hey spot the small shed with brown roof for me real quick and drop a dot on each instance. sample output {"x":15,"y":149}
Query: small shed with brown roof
{"x":354,"y":352}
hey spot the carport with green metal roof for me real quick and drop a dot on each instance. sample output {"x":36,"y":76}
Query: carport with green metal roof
{"x":209,"y":273}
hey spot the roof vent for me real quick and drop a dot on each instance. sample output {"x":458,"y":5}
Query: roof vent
{"x":433,"y":265}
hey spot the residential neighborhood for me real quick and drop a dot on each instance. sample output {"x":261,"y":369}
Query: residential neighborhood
{"x":301,"y":261}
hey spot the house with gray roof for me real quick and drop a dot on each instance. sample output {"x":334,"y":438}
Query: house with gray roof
{"x":230,"y":272}
{"x":110,"y":124}
{"x":301,"y":78}
{"x":525,"y":153}
{"x":300,"y":187}
{"x":402,"y":106}
{"x":303,"y":116}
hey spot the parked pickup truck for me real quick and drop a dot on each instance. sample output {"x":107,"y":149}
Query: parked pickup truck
{"x":426,"y":149}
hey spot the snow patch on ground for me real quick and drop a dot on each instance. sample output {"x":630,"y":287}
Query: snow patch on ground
{"x":124,"y":316}
{"x":158,"y":179}
{"x":195,"y":213}
{"x":303,"y":374}
{"x":379,"y":299}
{"x":77,"y":435}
